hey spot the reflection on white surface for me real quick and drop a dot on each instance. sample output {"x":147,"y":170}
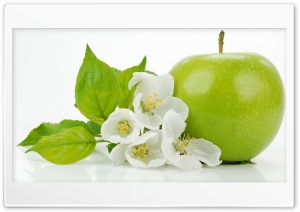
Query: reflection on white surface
{"x":31,"y":167}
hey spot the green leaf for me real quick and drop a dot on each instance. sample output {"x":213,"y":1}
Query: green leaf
{"x":151,"y":72}
{"x":111,"y":146}
{"x":68,"y":146}
{"x":116,"y":71}
{"x":95,"y":128}
{"x":46,"y":129}
{"x":94,"y":119}
{"x":97,"y":90}
{"x":127,"y":96}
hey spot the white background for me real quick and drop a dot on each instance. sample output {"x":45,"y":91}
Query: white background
{"x":123,"y":64}
{"x":45,"y":66}
{"x":46,"y":61}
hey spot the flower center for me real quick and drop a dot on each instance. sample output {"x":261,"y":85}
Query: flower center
{"x":140,"y":152}
{"x":124,"y":127}
{"x":151,"y":103}
{"x":181,"y":144}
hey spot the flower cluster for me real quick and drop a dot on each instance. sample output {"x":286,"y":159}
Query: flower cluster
{"x":152,"y":134}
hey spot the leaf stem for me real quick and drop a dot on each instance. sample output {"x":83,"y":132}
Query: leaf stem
{"x":100,"y":141}
{"x":221,"y":41}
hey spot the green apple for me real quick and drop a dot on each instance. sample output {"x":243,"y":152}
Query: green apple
{"x":236,"y":101}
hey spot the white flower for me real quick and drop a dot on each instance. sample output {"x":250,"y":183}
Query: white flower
{"x":145,"y":152}
{"x":116,"y":155}
{"x":153,"y":98}
{"x":122,"y":126}
{"x":183,"y":151}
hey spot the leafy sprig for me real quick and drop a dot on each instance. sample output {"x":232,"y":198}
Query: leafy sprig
{"x":99,"y":90}
{"x":145,"y":130}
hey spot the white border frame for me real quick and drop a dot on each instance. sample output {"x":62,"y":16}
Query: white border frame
{"x":148,"y":16}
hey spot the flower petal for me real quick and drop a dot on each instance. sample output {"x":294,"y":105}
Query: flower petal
{"x":173,"y":125}
{"x":136,"y":163}
{"x":110,"y":128}
{"x":139,"y":77}
{"x":165,"y":85}
{"x":143,"y":138}
{"x":154,"y":158}
{"x":133,"y":135}
{"x":156,"y":142}
{"x":117,"y":154}
{"x":169,"y":151}
{"x":102,"y":147}
{"x":187,"y":162}
{"x":140,"y":140}
{"x":174,"y":103}
{"x":162,"y":85}
{"x":150,"y":122}
{"x":137,"y":100}
{"x":148,"y":87}
{"x":116,"y":139}
{"x":120,"y":114}
{"x":156,"y":162}
{"x":205,"y":151}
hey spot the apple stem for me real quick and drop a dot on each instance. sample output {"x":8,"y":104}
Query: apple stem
{"x":221,"y":41}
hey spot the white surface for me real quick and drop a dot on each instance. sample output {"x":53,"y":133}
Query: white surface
{"x":45,"y":66}
{"x":269,"y":167}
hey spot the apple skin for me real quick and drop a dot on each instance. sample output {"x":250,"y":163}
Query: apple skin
{"x":236,"y":101}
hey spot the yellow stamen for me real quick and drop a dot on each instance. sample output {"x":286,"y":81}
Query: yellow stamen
{"x":141,"y":152}
{"x":151,"y":103}
{"x":124,"y":127}
{"x":182,"y":143}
